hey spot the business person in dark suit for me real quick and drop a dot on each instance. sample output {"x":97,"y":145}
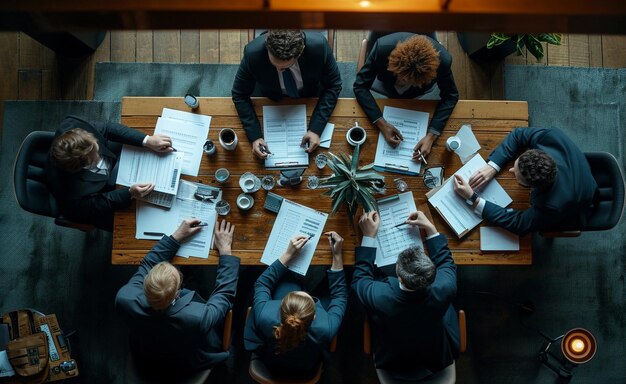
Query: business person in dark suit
{"x":288,"y":328}
{"x":407,"y":66}
{"x":415,"y":329}
{"x":286,"y":63}
{"x":173,"y":328}
{"x":563,"y":188}
{"x":83,"y":168}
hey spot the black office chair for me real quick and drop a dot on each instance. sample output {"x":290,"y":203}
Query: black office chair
{"x":445,"y":376}
{"x":609,"y":205}
{"x":29,"y":180}
{"x":370,"y":39}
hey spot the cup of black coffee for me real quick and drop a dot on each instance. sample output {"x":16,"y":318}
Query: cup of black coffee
{"x":356,"y":135}
{"x":228,"y":139}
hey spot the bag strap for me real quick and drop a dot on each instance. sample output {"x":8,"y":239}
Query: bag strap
{"x":15,"y":323}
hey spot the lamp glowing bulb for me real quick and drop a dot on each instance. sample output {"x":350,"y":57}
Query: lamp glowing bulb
{"x":577,"y":345}
{"x":364,"y":3}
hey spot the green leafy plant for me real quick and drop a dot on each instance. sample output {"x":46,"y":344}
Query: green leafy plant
{"x":350,"y":184}
{"x":531,"y":42}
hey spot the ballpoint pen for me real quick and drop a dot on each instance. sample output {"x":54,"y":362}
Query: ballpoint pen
{"x":419,"y":153}
{"x":399,"y":225}
{"x":201,"y":224}
{"x":332,"y":245}
{"x":263,"y":149}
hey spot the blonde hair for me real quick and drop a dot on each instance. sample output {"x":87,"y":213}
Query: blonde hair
{"x":414,"y":61}
{"x":73,"y":150}
{"x":161,"y":285}
{"x":297,"y":311}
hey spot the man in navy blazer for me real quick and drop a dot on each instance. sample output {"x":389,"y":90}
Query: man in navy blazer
{"x":287,"y":63}
{"x":563,"y":188}
{"x":83,"y":168}
{"x":420,"y":64}
{"x":415,"y":329}
{"x":172,"y":328}
{"x":270,"y":290}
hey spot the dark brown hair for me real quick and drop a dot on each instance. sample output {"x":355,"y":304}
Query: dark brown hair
{"x":414,"y":61}
{"x":416,"y":269}
{"x":285,"y":44}
{"x":537,"y":168}
{"x":73,"y":150}
{"x":296,"y":315}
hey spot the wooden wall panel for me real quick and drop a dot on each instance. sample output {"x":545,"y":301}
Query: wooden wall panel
{"x":230,"y":46}
{"x":30,"y":52}
{"x":558,"y":55}
{"x":613,"y":51}
{"x":348,"y":44}
{"x":29,"y":84}
{"x":595,"y":51}
{"x":578,"y":50}
{"x":124,"y":46}
{"x":167,"y":46}
{"x":209,"y":46}
{"x":190,"y":46}
{"x":145,"y":47}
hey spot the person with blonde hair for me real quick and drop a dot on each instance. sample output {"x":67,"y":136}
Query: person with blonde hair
{"x":288,"y":329}
{"x":172,"y":327}
{"x":83,"y":169}
{"x":404,"y":65}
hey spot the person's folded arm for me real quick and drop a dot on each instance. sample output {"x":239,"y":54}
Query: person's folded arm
{"x":120,"y":133}
{"x":331,"y":84}
{"x":519,"y":222}
{"x":515,"y":142}
{"x":243,"y":86}
{"x":363,"y":84}
{"x":449,"y":95}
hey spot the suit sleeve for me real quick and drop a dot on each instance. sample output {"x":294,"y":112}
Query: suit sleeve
{"x":363,"y":283}
{"x":521,"y":222}
{"x":120,"y":133}
{"x":447,"y":92}
{"x":223,"y":296}
{"x":443,"y":289}
{"x":516,"y":141}
{"x":98,"y":205}
{"x":266,"y":284}
{"x":164,"y":250}
{"x":331,"y":84}
{"x":362,"y":85}
{"x":243,"y":87}
{"x":338,"y":301}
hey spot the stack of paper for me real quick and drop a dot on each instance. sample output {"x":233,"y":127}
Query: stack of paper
{"x":295,"y":219}
{"x":283,"y":128}
{"x":459,"y":215}
{"x":413,"y":125}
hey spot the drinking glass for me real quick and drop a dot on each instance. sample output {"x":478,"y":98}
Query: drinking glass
{"x":401,"y":185}
{"x":268,"y":182}
{"x":222,"y":208}
{"x":313,"y":182}
{"x":321,"y":160}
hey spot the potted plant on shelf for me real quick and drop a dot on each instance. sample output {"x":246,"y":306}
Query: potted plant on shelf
{"x":351,"y":184}
{"x":530,"y":41}
{"x":497,"y":46}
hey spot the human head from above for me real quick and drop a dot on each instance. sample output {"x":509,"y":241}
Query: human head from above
{"x":284,"y":47}
{"x":534,"y":168}
{"x":74,"y":150}
{"x":415,"y":269}
{"x":162,"y":285}
{"x":414,"y":61}
{"x":297,"y":311}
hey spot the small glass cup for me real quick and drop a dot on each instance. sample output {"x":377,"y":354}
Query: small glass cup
{"x":268,"y":182}
{"x":222,"y":208}
{"x":321,"y":160}
{"x":401,"y":185}
{"x":313,"y":182}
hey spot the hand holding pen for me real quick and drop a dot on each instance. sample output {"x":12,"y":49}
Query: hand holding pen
{"x":336,"y":249}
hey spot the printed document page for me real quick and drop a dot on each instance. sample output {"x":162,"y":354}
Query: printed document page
{"x":327,"y":135}
{"x":392,"y":240}
{"x":294,"y":219}
{"x":187,"y":117}
{"x":459,"y":215}
{"x":187,"y":138}
{"x":140,"y":165}
{"x":413,"y":125}
{"x":283,"y":128}
{"x":154,"y":222}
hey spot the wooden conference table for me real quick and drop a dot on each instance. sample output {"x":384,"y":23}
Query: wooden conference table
{"x":491,"y":121}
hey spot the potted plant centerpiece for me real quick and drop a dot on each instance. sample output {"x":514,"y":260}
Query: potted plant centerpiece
{"x":351,"y":184}
{"x":497,"y":46}
{"x":531,"y":42}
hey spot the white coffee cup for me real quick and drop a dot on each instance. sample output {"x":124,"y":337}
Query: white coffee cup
{"x":356,"y":135}
{"x":248,"y":184}
{"x":245,"y":201}
{"x":228,"y":139}
{"x":222,"y":175}
{"x":453,"y":143}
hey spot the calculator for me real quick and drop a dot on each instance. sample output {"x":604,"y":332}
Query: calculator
{"x":273,"y":202}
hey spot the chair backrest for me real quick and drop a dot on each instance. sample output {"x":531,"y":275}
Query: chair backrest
{"x":609,"y":205}
{"x":29,"y":175}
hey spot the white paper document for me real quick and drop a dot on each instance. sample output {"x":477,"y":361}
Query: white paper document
{"x":188,"y":134}
{"x":327,"y":135}
{"x":294,"y":219}
{"x":392,"y":240}
{"x":413,"y":125}
{"x":459,"y":215}
{"x":140,"y":165}
{"x":498,"y":239}
{"x":469,"y":144}
{"x":154,"y":222}
{"x":283,"y":128}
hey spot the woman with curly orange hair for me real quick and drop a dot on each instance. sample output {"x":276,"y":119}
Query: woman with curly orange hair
{"x":288,"y":329}
{"x":404,"y":65}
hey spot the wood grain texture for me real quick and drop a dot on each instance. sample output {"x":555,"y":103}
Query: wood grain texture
{"x":348,"y":44}
{"x":460,"y":62}
{"x":30,"y":52}
{"x":491,"y":122}
{"x":124,"y":46}
{"x":145,"y":47}
{"x":613,"y":51}
{"x":231,"y":46}
{"x":103,"y":53}
{"x":190,"y":46}
{"x":209,"y":46}
{"x":578,"y":50}
{"x":595,"y":51}
{"x":558,"y":55}
{"x":9,"y":59}
{"x":166,"y":46}
{"x":29,"y":84}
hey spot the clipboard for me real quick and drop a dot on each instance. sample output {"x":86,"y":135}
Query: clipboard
{"x":430,"y":194}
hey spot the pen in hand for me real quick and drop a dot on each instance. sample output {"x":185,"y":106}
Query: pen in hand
{"x":264,"y":149}
{"x":201,"y":224}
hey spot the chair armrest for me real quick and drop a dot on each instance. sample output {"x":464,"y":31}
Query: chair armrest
{"x":228,"y":327}
{"x":362,"y":55}
{"x":367,"y":337}
{"x":463,"y":331}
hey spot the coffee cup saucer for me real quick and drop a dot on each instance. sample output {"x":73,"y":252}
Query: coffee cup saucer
{"x":249,"y":176}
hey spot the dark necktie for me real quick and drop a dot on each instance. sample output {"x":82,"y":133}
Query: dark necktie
{"x":290,"y":84}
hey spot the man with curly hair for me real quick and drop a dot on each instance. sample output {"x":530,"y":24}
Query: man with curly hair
{"x":287,"y":63}
{"x":404,"y":65}
{"x":563,"y":188}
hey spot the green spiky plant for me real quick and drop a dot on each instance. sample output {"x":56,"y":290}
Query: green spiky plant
{"x":350,"y":184}
{"x":531,"y":42}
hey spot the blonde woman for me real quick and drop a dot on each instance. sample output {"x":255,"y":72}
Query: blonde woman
{"x":288,"y":328}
